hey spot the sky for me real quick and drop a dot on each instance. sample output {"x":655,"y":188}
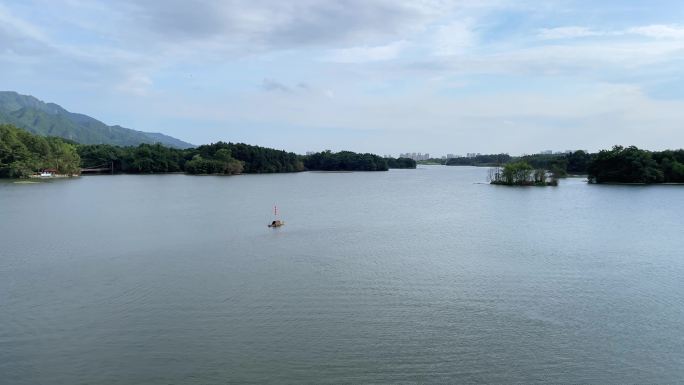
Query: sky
{"x":381,"y":76}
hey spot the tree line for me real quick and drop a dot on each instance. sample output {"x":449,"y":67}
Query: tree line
{"x":22,"y":154}
{"x":617,"y":165}
{"x":351,"y":161}
{"x":400,"y":162}
{"x":633,"y":165}
{"x":229,"y":159}
{"x":345,"y":161}
{"x":575,"y":162}
{"x":215,"y":158}
{"x":488,"y":160}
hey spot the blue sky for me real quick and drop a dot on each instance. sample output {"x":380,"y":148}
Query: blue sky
{"x":365,"y":75}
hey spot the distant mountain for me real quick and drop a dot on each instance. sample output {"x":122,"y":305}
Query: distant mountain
{"x":50,"y":119}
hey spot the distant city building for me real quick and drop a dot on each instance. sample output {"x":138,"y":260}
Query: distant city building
{"x":415,"y":156}
{"x":310,"y":153}
{"x":547,"y":152}
{"x":473,"y":154}
{"x":451,"y":156}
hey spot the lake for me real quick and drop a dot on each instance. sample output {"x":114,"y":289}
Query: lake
{"x":406,"y":276}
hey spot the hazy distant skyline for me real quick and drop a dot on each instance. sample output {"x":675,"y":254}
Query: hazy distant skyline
{"x":365,"y":75}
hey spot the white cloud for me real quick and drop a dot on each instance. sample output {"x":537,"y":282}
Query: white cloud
{"x":366,"y":54}
{"x":596,"y":56}
{"x":659,"y":31}
{"x":11,"y":23}
{"x":567,"y":33}
{"x":84,"y":47}
{"x":655,"y":31}
{"x":453,"y":39}
{"x":586,"y":115}
{"x":21,"y":37}
{"x":136,"y":84}
{"x":595,"y":59}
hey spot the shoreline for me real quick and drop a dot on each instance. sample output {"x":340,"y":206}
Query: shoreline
{"x":55,"y":176}
{"x":636,"y":184}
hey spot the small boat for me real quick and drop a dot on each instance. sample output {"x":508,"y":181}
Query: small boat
{"x":276,"y":222}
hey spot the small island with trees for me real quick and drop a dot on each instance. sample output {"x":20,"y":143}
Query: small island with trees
{"x":521,"y":173}
{"x":351,"y":161}
{"x":619,"y":165}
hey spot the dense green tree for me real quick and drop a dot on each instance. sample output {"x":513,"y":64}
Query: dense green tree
{"x":102,"y":155}
{"x":345,"y":161}
{"x":559,"y":164}
{"x":23,"y":154}
{"x":400,"y":163}
{"x":517,"y":173}
{"x":215,"y":158}
{"x":254,"y":159}
{"x":578,"y":162}
{"x":521,"y":173}
{"x":225,"y":165}
{"x":625,"y":165}
{"x":480,"y":160}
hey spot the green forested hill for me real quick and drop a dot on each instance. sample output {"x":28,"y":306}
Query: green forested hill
{"x":49,"y":119}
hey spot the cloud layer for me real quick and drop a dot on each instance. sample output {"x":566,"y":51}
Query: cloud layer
{"x":369,"y":75}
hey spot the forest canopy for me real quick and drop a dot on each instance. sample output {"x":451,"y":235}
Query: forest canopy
{"x":400,"y":162}
{"x":215,"y":158}
{"x":574,"y":162}
{"x":23,"y":154}
{"x":633,"y":165}
{"x":345,"y":161}
{"x":229,"y":159}
{"x":617,"y":165}
{"x":522,"y":173}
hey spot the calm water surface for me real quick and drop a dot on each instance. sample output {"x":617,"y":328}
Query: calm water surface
{"x":406,"y":276}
